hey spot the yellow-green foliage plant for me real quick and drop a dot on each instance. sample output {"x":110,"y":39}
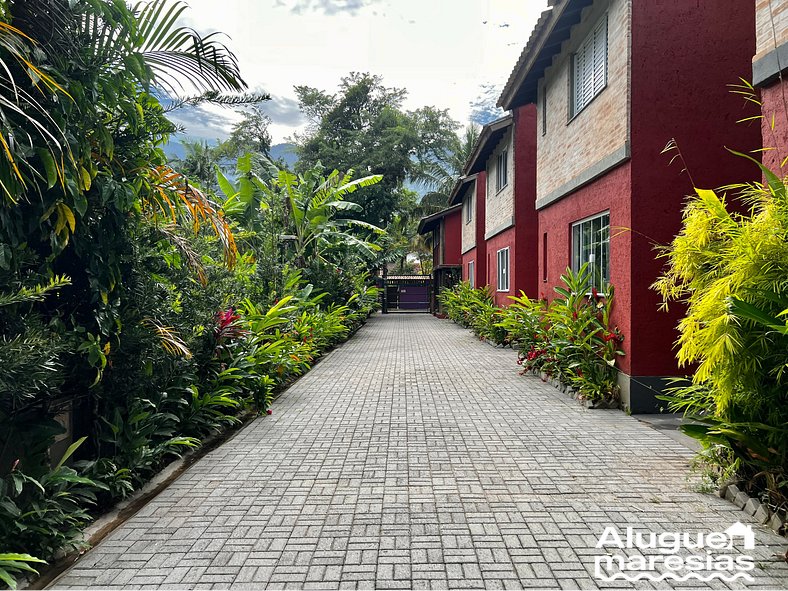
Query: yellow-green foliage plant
{"x":731,"y":271}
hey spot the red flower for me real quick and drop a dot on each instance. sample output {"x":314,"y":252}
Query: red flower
{"x":269,"y":412}
{"x":225,"y":319}
{"x":594,"y":293}
{"x":574,"y":315}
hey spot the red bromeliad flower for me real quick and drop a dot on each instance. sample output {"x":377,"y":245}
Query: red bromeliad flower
{"x":227,"y":326}
{"x":269,"y":412}
{"x":226,"y":318}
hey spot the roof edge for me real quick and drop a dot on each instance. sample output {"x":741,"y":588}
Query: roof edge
{"x":487,"y":133}
{"x":454,"y":196}
{"x":426,"y":223}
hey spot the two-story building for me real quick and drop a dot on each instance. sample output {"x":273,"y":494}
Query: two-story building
{"x":769,"y":67}
{"x":445,"y":229}
{"x":504,"y":160}
{"x":614,"y":82}
{"x":469,"y":192}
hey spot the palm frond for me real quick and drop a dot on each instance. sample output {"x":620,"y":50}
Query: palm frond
{"x":173,"y":197}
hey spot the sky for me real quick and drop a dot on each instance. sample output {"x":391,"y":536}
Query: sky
{"x":444,"y":52}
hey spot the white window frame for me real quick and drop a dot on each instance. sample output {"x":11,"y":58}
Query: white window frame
{"x":587,"y":248}
{"x":589,"y":68}
{"x":501,"y":170}
{"x":472,"y":273}
{"x":503,"y":271}
{"x":469,"y":209}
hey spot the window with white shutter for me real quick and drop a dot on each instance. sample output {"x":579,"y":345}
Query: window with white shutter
{"x":589,"y":67}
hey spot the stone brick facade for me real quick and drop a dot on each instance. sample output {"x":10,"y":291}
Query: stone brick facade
{"x":570,"y":145}
{"x":499,"y":210}
{"x":771,"y":26}
{"x":769,"y":63}
{"x":469,"y":225}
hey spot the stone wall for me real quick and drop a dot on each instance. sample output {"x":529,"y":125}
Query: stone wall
{"x":571,"y":146}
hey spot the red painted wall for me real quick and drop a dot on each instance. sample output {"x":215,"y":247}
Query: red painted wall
{"x":609,"y":193}
{"x":525,"y":266}
{"x":684,"y":56}
{"x":494,"y":244}
{"x":452,"y":235}
{"x":773,"y":102}
{"x":471,"y":255}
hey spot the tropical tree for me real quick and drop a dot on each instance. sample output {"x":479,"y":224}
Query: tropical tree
{"x":199,"y":162}
{"x":314,"y":203}
{"x":439,"y":173}
{"x":87,"y":190}
{"x":251,"y":134}
{"x":364,"y":126}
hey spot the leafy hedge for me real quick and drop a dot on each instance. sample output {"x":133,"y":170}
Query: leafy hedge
{"x":731,"y":270}
{"x":571,"y":338}
{"x":145,"y":311}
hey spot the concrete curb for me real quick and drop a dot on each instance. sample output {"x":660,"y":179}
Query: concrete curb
{"x":754,"y":508}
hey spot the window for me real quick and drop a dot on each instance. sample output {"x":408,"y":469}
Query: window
{"x":472,"y":273}
{"x":544,"y":110}
{"x":501,"y":170}
{"x":544,"y":257}
{"x":503,"y":269}
{"x":589,"y":68}
{"x":591,"y":246}
{"x":469,"y":209}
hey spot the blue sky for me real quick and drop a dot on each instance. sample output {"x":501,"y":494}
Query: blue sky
{"x":442,"y":51}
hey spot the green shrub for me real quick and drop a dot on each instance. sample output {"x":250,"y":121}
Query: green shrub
{"x":572,"y":339}
{"x":13,"y":565}
{"x":42,"y":514}
{"x":731,"y":271}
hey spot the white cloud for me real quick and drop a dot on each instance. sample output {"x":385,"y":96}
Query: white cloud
{"x":441,"y":52}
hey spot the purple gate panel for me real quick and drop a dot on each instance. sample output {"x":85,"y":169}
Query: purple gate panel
{"x":414,"y":297}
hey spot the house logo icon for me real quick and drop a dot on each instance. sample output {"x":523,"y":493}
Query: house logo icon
{"x":739,"y":530}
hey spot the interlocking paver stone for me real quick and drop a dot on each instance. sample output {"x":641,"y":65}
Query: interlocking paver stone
{"x":415,"y":456}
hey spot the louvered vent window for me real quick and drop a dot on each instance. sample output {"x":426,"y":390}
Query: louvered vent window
{"x":589,"y":68}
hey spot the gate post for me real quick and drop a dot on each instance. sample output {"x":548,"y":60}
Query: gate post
{"x":385,"y":306}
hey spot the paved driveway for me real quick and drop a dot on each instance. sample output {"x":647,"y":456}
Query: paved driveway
{"x":415,"y":456}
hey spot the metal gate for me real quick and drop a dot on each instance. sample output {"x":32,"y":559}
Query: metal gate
{"x":407,"y":293}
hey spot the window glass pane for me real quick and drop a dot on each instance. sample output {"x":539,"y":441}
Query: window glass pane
{"x":595,"y":256}
{"x":591,"y":246}
{"x":585,"y":249}
{"x":606,"y":247}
